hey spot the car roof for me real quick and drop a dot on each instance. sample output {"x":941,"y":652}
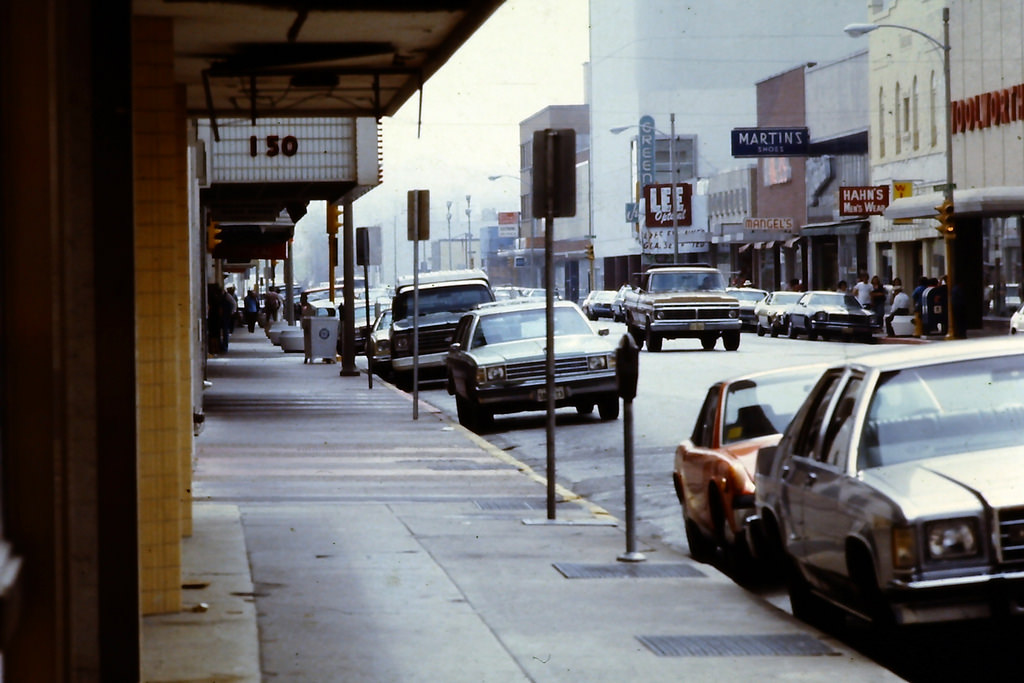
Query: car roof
{"x":810,"y":369}
{"x":906,"y":356}
{"x":518,"y":305}
{"x":444,"y":277}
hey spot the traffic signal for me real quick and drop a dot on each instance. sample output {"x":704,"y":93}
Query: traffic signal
{"x":944,"y":215}
{"x":335,"y":217}
{"x":590,"y":252}
{"x":213,"y":235}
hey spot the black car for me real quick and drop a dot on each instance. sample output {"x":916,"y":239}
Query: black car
{"x":830,"y":315}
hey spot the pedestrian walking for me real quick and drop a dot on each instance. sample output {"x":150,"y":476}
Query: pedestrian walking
{"x":252,"y":310}
{"x":272,"y":302}
{"x":877,"y":298}
{"x":862,"y":290}
{"x":227,"y":321}
{"x":215,"y":319}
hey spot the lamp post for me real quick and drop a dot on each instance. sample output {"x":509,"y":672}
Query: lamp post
{"x":948,"y":227}
{"x":469,"y":231}
{"x":449,"y":216}
{"x":673,"y":171}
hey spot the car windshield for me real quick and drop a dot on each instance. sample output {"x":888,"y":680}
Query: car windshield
{"x":833,"y":299}
{"x":942,"y":409}
{"x":686,"y":282}
{"x":765,"y":406}
{"x":786,"y":297}
{"x":747,"y":294}
{"x":528,"y":324}
{"x":441,"y":299}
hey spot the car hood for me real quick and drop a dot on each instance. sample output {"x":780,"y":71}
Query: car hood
{"x":953,"y":482}
{"x":534,"y":349}
{"x":691,"y":297}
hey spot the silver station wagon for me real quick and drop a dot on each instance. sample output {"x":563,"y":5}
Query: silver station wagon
{"x":897,"y":491}
{"x":497,"y":363}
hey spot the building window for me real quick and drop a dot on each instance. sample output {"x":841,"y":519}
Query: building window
{"x":916,"y":126}
{"x":897,"y":128}
{"x":881,"y":122}
{"x":933,"y":98}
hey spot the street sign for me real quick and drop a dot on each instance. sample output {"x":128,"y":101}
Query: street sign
{"x":632,"y":212}
{"x":770,"y":142}
{"x":858,"y":200}
{"x":661,"y":204}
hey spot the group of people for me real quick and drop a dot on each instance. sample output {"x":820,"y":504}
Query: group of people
{"x":223,"y":313}
{"x":875,"y":296}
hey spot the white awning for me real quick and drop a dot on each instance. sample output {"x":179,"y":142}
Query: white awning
{"x":978,"y":201}
{"x":744,"y":247}
{"x":790,"y":242}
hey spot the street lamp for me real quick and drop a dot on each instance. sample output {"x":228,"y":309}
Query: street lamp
{"x":673,"y":171}
{"x":948,"y":228}
{"x":449,"y":216}
{"x":469,"y":231}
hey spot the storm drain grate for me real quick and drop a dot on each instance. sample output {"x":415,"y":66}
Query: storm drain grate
{"x":628,"y":570}
{"x":495,"y":504}
{"x":786,"y":644}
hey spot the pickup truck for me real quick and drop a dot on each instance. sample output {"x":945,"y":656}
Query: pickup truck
{"x":677,"y":302}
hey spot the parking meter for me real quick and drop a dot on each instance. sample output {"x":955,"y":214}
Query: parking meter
{"x":627,"y":367}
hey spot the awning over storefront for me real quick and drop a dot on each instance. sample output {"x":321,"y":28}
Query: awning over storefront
{"x":834,"y":228}
{"x":987,"y":201}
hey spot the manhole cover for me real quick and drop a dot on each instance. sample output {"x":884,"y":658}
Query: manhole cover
{"x":628,"y":570}
{"x":785,"y":644}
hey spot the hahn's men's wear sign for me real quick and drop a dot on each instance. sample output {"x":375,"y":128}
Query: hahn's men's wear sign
{"x":863,"y":200}
{"x":660,"y":205}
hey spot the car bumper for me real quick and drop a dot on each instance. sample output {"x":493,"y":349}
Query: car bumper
{"x":532,"y":396}
{"x":970,"y":597}
{"x":427,"y":361}
{"x":842,"y":329}
{"x":695,"y":328}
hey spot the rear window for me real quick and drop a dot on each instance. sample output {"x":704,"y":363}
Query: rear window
{"x":686,"y":282}
{"x":454,"y":299}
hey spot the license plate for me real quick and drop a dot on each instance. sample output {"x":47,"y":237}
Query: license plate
{"x":696,"y":326}
{"x":542,"y":394}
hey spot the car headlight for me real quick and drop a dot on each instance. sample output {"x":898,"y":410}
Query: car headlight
{"x":383,"y":345}
{"x":658,"y":315}
{"x":820,"y":316}
{"x":952,"y":538}
{"x":734,"y":313}
{"x":490,"y":373}
{"x":402,"y":342}
{"x":601,"y":362}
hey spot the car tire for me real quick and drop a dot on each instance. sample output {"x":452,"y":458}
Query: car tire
{"x":773,"y":329}
{"x":702,"y":548}
{"x":707,"y":342}
{"x":760,"y":330}
{"x":638,"y":336}
{"x":805,"y":604}
{"x":731,"y":340}
{"x":608,"y":408}
{"x":584,"y":408}
{"x":652,"y":339}
{"x":472,"y":416}
{"x":792,"y":332}
{"x":811,"y":334}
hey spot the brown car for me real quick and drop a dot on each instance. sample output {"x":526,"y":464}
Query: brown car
{"x":714,"y":468}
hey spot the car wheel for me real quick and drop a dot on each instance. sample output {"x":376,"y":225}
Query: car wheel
{"x":731,"y":340}
{"x":638,"y":336}
{"x":805,"y":604}
{"x":760,"y":329}
{"x":773,"y":328}
{"x":702,"y":548}
{"x":707,"y":342}
{"x":862,"y":571}
{"x":652,"y":339}
{"x":584,"y":408}
{"x":793,"y":333}
{"x":471,"y":415}
{"x":608,"y":408}
{"x":811,"y":334}
{"x":403,"y":380}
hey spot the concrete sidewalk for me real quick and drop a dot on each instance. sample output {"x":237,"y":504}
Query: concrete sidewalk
{"x":360,"y":545}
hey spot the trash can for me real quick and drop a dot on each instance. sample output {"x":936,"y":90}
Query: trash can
{"x":322,"y":339}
